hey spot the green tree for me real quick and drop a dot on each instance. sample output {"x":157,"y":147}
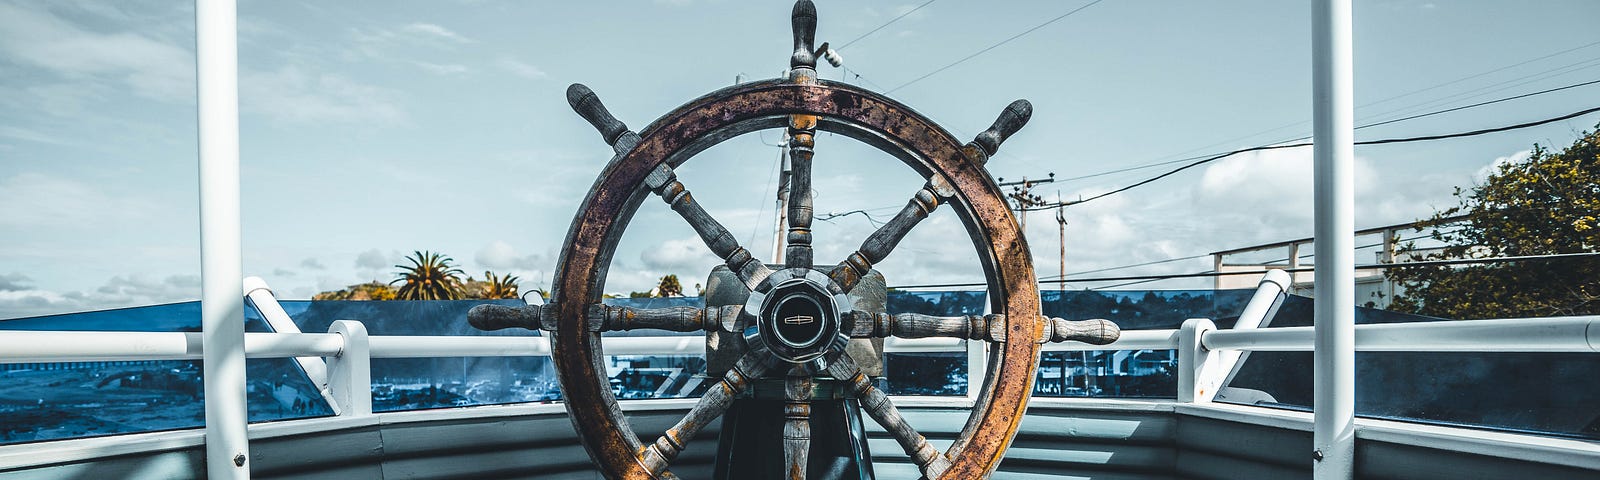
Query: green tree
{"x":492,"y":287}
{"x":362,"y":291}
{"x":430,"y":276}
{"x":1544,"y":205}
{"x":669,"y":287}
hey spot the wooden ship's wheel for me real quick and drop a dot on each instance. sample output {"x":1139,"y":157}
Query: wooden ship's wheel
{"x":798,"y":317}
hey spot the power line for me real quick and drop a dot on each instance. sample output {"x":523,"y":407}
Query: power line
{"x":1306,"y":144}
{"x":1479,"y":104}
{"x":1480,"y":74}
{"x":1386,"y":122}
{"x":992,"y":47}
{"x":885,"y":24}
{"x":1373,"y":266}
{"x":1123,"y":267}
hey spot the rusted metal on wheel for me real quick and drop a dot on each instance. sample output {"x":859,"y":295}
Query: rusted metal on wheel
{"x":644,"y":164}
{"x":842,"y":109}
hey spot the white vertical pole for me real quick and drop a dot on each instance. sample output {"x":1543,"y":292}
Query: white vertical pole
{"x":1333,"y":405}
{"x":221,"y":267}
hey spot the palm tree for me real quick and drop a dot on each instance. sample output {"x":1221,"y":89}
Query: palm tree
{"x":500,"y":287}
{"x":430,"y":276}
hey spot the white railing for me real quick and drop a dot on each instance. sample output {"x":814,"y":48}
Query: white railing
{"x":1206,"y":355}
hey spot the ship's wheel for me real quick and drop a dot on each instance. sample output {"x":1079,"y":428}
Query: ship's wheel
{"x":798,"y":318}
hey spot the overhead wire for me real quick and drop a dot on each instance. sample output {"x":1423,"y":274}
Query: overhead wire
{"x":996,"y":45}
{"x":1532,"y":77}
{"x":1213,"y":158}
{"x":885,"y":24}
{"x":1373,"y":266}
{"x":1368,"y":125}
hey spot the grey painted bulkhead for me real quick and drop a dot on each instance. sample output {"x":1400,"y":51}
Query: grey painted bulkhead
{"x":1135,"y":440}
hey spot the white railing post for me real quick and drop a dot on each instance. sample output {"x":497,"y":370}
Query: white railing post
{"x":267,"y":305}
{"x":221,"y":264}
{"x":1198,"y":366}
{"x":1333,"y":134}
{"x":1272,"y":287}
{"x":350,"y":373}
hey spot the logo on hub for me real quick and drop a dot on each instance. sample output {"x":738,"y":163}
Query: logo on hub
{"x":799,"y":320}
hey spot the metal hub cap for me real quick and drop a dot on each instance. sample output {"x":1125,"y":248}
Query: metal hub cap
{"x":797,"y":316}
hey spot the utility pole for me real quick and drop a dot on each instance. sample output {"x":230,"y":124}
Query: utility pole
{"x":1061,"y":220}
{"x":1022,"y":197}
{"x":779,"y":228}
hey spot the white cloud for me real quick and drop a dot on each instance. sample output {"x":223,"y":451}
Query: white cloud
{"x":293,"y":94}
{"x":442,"y":68}
{"x":679,"y":255}
{"x":150,"y":67}
{"x":118,"y":291}
{"x":20,"y":133}
{"x":504,"y":259}
{"x":313,"y":263}
{"x":521,"y":69}
{"x":1494,"y":167}
{"x":1274,"y":183}
{"x":58,"y":202}
{"x":435,"y":31}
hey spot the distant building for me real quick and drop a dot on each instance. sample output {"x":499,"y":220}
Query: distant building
{"x":1373,"y":288}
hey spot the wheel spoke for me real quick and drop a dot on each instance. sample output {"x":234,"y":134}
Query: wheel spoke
{"x":882,"y":241}
{"x":992,"y":327}
{"x":656,"y":456}
{"x":606,"y":318}
{"x":797,"y":423}
{"x":863,"y":324}
{"x":664,"y":182}
{"x":877,"y":404}
{"x":802,"y":139}
{"x":1094,"y":331}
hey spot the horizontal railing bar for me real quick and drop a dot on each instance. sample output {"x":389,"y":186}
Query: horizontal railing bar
{"x":1561,"y":334}
{"x":407,"y":346}
{"x":54,"y":346}
{"x":1558,"y":334}
{"x":1130,"y":340}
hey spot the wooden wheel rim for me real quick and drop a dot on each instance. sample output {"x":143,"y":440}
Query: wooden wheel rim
{"x":844,"y":109}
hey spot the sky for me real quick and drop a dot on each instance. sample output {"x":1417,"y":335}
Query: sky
{"x":370,"y":130}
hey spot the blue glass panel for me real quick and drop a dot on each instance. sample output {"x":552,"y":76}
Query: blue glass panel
{"x":943,"y":373}
{"x":1128,"y":373}
{"x":419,"y":383}
{"x":46,"y":401}
{"x":1551,"y":393}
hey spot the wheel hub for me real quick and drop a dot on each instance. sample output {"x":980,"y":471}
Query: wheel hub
{"x":797,"y":317}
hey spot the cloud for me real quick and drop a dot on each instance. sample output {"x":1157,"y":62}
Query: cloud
{"x":295,"y":95}
{"x":520,"y":68}
{"x":499,"y":255}
{"x":1272,"y":182}
{"x":373,"y":260}
{"x":139,"y":286}
{"x":13,"y":282}
{"x":118,"y":291}
{"x":58,"y":202}
{"x":312,"y":263}
{"x":149,"y":67}
{"x":442,"y":69}
{"x":282,"y":272}
{"x":1494,"y":167}
{"x":680,"y":255}
{"x":435,"y":31}
{"x":20,"y":133}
